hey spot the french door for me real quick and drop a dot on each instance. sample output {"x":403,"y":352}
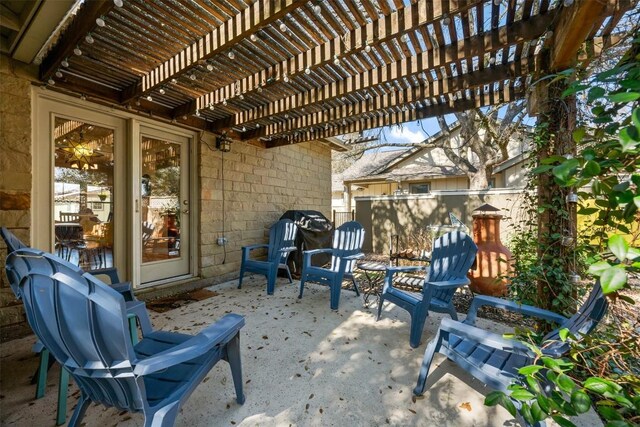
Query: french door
{"x":162,"y":206}
{"x":112,"y":190}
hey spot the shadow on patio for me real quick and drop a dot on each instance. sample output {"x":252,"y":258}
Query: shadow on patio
{"x":303,"y":364}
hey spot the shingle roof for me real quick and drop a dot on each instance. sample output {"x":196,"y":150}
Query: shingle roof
{"x":368,"y":164}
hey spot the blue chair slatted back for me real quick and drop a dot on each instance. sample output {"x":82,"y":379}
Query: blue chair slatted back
{"x":452,"y":256}
{"x":282,"y":235}
{"x":83,"y":323}
{"x":13,"y":244}
{"x":580,"y":324}
{"x":347,"y":241}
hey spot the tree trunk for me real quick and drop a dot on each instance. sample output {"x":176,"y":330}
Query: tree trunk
{"x":480,"y":179}
{"x":555,"y":220}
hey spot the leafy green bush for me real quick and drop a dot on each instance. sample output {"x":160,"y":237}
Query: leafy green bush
{"x":605,"y":366}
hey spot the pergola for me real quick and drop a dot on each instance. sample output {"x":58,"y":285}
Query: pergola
{"x":276,"y":72}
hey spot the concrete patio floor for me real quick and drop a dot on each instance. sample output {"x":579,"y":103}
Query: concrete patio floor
{"x":303,"y":365}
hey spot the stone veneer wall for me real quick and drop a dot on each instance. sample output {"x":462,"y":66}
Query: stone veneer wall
{"x":259,"y":186}
{"x":15,"y":178}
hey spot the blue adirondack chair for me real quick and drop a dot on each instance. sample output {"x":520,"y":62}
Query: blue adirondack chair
{"x":282,"y":237}
{"x":83,"y":322}
{"x":495,"y":360}
{"x":452,"y":256}
{"x":345,"y":250}
{"x":136,"y":310}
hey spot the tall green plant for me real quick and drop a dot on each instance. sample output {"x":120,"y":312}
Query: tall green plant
{"x":606,"y":175}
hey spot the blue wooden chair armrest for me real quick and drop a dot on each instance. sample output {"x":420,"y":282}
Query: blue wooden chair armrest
{"x":352,"y":257}
{"x":219,"y":333}
{"x":447,"y":284}
{"x":247,"y":249}
{"x":481,"y":336}
{"x":527,"y":310}
{"x":308,"y":254}
{"x":139,"y":309}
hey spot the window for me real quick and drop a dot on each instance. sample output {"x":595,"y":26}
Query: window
{"x":421,"y":188}
{"x":492,"y":183}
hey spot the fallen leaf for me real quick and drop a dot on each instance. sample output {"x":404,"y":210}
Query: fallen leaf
{"x":412,"y":411}
{"x":466,"y":405}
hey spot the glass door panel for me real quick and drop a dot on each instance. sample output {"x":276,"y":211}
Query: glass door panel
{"x":164,"y":207}
{"x":83,"y":193}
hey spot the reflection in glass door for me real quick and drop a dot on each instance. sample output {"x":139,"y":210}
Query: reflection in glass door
{"x":164,"y":207}
{"x":83,"y":193}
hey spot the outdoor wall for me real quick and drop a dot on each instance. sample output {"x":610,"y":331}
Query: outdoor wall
{"x":259,"y":186}
{"x":405,"y":215}
{"x":15,"y":176}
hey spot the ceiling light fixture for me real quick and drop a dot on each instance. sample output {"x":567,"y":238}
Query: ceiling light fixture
{"x":283,"y":27}
{"x":100,"y":21}
{"x":405,"y":38}
{"x":209,"y":67}
{"x":231,"y":55}
{"x":307,"y":70}
{"x":65,"y":63}
{"x":193,"y":77}
{"x":51,"y":81}
{"x":59,"y":74}
{"x":118,"y":3}
{"x":367,"y":47}
{"x":253,"y":37}
{"x":149,"y":98}
{"x":336,"y":60}
{"x":446,"y":20}
{"x":317,"y":9}
{"x":89,"y":39}
{"x":162,"y":91}
{"x":224,"y":101}
{"x":77,"y":51}
{"x":285,"y":78}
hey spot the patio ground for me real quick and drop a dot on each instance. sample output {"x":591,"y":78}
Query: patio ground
{"x":303,"y":365}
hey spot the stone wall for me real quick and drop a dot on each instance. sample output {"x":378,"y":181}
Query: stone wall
{"x":15,"y":177}
{"x":259,"y":186}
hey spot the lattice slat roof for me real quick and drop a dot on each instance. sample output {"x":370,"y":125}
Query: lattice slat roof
{"x":274,"y":72}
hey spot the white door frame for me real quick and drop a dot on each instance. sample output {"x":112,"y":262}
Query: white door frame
{"x":46,"y":105}
{"x":186,"y":144}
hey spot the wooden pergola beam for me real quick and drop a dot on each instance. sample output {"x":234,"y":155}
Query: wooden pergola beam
{"x":226,"y":36}
{"x":105,"y":96}
{"x":83,"y":23}
{"x":404,"y":97}
{"x":574,"y":25}
{"x":380,"y":31}
{"x":407,"y":67}
{"x":507,"y":94}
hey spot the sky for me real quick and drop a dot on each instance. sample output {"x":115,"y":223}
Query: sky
{"x":417,"y":131}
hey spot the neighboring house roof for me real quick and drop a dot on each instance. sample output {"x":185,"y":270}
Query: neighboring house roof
{"x":368,"y":164}
{"x":415,"y":172}
{"x":511,"y":162}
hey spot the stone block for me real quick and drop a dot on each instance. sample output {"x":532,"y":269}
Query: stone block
{"x":14,"y":201}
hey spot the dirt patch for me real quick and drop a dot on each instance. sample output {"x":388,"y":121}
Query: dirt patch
{"x":162,"y":305}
